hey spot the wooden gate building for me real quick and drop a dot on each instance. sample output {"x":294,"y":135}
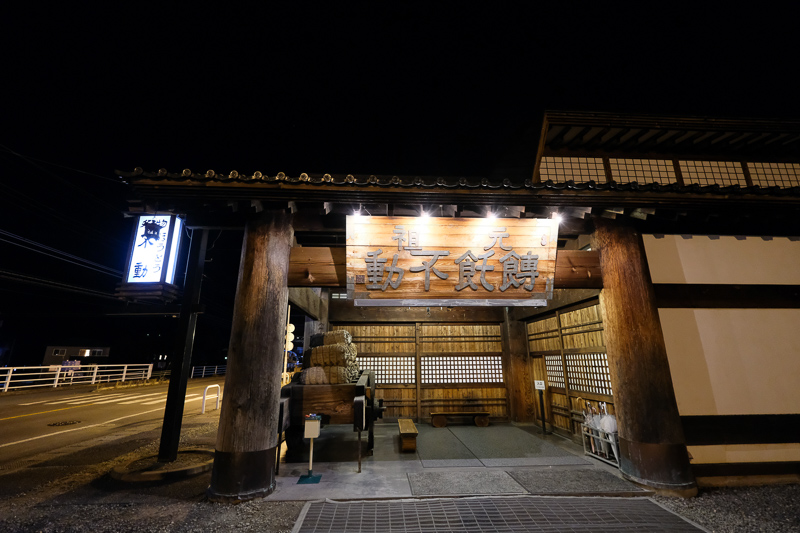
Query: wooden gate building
{"x":673,"y":297}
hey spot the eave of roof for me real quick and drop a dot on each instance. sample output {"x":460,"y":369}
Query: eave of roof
{"x":604,"y":134}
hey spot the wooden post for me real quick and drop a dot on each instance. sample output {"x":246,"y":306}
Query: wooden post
{"x":244,"y":459}
{"x":516,"y":370}
{"x":418,"y":369}
{"x":564,"y":371}
{"x":181,"y":365}
{"x":652,"y":445}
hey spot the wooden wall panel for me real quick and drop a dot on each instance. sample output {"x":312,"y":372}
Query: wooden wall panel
{"x":583,"y":328}
{"x":476,"y":347}
{"x":583,"y":351}
{"x":461,"y":338}
{"x":543,"y":335}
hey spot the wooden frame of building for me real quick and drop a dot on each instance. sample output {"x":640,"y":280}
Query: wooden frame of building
{"x":613,"y":330}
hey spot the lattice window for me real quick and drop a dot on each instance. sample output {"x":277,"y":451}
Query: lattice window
{"x":555,"y":372}
{"x":589,"y":373}
{"x":462,"y":369}
{"x":578,"y":169}
{"x":389,"y":369}
{"x":721,"y":173}
{"x":783,"y":175}
{"x":643,"y":171}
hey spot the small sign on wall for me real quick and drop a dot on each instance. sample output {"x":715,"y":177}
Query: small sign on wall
{"x":538,"y":384}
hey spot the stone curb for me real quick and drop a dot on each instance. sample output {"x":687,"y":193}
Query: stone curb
{"x":127,"y":474}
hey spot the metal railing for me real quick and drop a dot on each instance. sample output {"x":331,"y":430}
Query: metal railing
{"x":205,"y":371}
{"x":26,"y":377}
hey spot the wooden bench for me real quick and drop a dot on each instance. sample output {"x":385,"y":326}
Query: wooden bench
{"x":481,"y":418}
{"x":408,"y":435}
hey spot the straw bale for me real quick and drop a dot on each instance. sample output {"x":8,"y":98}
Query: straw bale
{"x":332,"y":355}
{"x":336,"y":375}
{"x":340,"y":336}
{"x":314,"y":375}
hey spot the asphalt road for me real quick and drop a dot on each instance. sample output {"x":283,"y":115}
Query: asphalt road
{"x":54,"y":420}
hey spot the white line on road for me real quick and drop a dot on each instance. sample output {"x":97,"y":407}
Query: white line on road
{"x":77,"y":429}
{"x":139,"y":397}
{"x":164,"y":399}
{"x":73,"y":398}
{"x":73,"y":401}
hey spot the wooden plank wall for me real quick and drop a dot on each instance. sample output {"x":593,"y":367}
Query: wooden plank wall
{"x":569,"y":343}
{"x":456,"y":352}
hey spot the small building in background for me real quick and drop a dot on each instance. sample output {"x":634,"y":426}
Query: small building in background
{"x":57,"y":355}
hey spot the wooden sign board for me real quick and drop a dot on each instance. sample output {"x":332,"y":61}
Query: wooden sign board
{"x":418,"y":261}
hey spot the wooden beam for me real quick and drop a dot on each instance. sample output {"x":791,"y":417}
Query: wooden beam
{"x":317,"y":267}
{"x":562,"y":298}
{"x":325,"y":267}
{"x":306,"y":300}
{"x":346,"y":311}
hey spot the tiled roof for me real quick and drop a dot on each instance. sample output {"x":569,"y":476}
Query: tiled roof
{"x":454,"y":184}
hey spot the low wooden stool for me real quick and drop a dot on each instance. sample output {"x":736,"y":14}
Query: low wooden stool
{"x":408,"y":435}
{"x":481,"y":418}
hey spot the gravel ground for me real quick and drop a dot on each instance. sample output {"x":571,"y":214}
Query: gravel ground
{"x":88,"y":500}
{"x":773,"y":508}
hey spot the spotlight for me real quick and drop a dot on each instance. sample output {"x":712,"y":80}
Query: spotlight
{"x":557,"y":218}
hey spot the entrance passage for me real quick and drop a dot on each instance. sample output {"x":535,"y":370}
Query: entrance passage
{"x":493,"y":446}
{"x":504,"y":458}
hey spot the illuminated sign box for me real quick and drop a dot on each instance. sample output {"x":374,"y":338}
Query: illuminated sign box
{"x":154,"y":249}
{"x":407,"y":261}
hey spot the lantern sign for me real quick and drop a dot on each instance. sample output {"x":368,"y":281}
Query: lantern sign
{"x":154,"y":249}
{"x":403,"y":261}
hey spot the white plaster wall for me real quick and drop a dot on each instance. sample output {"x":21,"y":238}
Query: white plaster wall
{"x":700,"y":259}
{"x":734,"y":361}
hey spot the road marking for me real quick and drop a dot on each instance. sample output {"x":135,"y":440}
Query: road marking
{"x":68,"y":400}
{"x":164,"y":399}
{"x":75,"y":429}
{"x":128,"y":397}
{"x":200,"y":398}
{"x":84,"y":399}
{"x":41,"y":412}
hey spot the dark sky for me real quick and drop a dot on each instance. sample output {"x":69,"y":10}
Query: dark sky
{"x":429,"y":88}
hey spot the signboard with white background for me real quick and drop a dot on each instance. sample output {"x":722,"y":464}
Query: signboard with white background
{"x":154,"y":249}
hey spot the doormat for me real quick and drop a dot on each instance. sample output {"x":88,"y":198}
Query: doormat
{"x":498,"y":513}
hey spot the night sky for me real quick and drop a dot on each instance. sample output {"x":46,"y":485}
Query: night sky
{"x":428,"y":89}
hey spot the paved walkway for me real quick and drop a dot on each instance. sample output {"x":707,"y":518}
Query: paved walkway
{"x":451,"y":461}
{"x":463,"y":478}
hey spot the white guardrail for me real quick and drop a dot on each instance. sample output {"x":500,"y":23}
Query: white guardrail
{"x":27,"y":377}
{"x":205,"y":371}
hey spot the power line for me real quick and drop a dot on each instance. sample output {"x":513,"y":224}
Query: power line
{"x":111,"y":271}
{"x":65,"y":167}
{"x":59,"y":178}
{"x":15,"y":276}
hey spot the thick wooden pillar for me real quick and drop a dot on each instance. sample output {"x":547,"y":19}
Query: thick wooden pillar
{"x":244,"y":459}
{"x":652,"y":446}
{"x":517,"y":370}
